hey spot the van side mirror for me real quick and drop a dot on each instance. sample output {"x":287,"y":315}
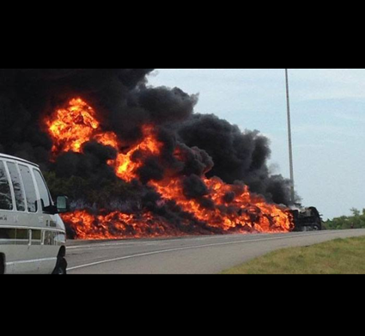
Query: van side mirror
{"x":63,"y":204}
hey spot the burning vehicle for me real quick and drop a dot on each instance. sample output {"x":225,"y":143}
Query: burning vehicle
{"x":139,"y":160}
{"x":307,"y":219}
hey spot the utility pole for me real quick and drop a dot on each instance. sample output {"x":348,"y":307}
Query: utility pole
{"x":290,"y":138}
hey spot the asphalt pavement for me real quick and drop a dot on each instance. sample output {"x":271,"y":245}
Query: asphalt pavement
{"x":189,"y":255}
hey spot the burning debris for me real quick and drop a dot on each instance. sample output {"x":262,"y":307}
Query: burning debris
{"x":139,"y":161}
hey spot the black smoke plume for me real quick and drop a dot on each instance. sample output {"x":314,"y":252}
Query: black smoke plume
{"x":124,"y":103}
{"x":237,"y":155}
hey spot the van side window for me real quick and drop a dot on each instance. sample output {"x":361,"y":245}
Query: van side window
{"x":15,"y":178}
{"x":29,"y":188}
{"x":43,"y":190}
{"x":6,"y":202}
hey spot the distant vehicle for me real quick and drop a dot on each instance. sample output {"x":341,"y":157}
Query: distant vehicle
{"x":307,"y":219}
{"x":32,"y":234}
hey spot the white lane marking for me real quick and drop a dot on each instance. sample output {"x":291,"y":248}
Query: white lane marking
{"x":97,"y":245}
{"x":164,"y":242}
{"x":186,"y":248}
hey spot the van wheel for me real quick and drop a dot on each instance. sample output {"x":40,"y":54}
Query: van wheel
{"x":61,"y":267}
{"x":2,"y":264}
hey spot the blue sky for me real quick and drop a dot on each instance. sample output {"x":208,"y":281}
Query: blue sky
{"x":328,"y":120}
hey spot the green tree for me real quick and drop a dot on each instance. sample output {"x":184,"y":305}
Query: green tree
{"x":356,"y":221}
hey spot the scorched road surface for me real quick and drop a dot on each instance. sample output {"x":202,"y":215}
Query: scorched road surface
{"x":193,"y":255}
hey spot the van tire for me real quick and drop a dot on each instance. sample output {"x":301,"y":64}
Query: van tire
{"x":61,"y":267}
{"x":2,"y":264}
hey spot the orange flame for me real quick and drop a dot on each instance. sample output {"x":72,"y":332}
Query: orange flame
{"x":247,"y":212}
{"x":118,"y":225}
{"x":70,"y":128}
{"x":125,"y":167}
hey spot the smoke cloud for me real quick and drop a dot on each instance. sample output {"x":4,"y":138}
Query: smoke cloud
{"x":195,"y":145}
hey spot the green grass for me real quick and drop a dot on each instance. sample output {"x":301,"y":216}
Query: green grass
{"x":340,"y":256}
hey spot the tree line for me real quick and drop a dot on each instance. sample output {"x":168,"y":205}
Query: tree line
{"x":356,"y":221}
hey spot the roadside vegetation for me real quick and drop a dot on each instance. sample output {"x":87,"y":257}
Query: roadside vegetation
{"x":95,"y":193}
{"x":356,"y":221}
{"x":340,"y":256}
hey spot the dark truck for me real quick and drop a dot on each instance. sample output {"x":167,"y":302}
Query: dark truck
{"x":307,"y":219}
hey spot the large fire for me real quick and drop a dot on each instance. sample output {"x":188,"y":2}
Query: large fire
{"x":72,"y":127}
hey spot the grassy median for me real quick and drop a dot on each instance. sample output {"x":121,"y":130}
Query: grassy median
{"x":340,"y":256}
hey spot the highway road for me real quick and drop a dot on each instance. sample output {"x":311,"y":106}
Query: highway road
{"x":192,"y":255}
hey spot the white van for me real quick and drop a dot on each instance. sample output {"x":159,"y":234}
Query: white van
{"x":32,"y":234}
